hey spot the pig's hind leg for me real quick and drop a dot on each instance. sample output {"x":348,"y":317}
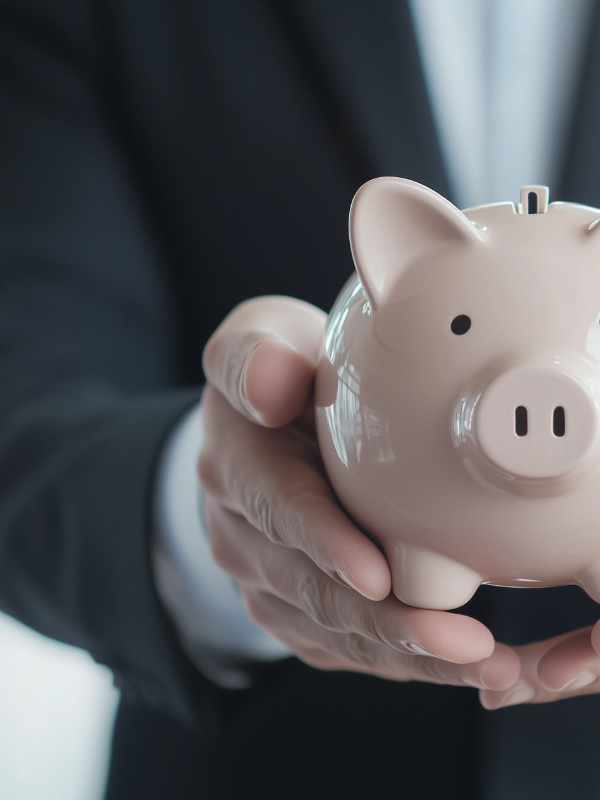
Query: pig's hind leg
{"x":427,"y":579}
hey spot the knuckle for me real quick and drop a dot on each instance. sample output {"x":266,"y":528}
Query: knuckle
{"x":262,"y":513}
{"x":220,"y":550}
{"x":297,"y":519}
{"x":224,"y":554}
{"x":315,"y":597}
{"x":319,"y":659}
{"x":205,"y":467}
{"x":284,"y":520}
{"x":428,"y":669}
{"x":257,"y":609}
{"x":360,"y":650}
{"x":370,"y":626}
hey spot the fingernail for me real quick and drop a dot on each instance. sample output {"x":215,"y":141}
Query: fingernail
{"x":252,"y":412}
{"x":520,"y":693}
{"x":416,"y":649}
{"x":343,"y":579}
{"x":479,"y":682}
{"x":346,"y":580}
{"x":420,"y":651}
{"x":585,"y":679}
{"x":256,"y":415}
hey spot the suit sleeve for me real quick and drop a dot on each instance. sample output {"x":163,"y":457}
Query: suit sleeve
{"x":88,"y":382}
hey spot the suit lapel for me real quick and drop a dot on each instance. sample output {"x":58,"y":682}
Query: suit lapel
{"x":367,"y":55}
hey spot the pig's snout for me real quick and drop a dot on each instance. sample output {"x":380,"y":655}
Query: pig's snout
{"x":537,"y":422}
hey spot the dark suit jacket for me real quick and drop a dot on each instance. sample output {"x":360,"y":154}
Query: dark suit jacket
{"x":161,"y":160}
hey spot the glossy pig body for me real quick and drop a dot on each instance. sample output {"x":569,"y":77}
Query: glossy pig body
{"x":458,"y":391}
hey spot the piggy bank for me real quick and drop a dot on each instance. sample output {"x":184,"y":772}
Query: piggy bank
{"x":458,"y":391}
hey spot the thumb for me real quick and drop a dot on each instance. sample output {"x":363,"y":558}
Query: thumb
{"x":262,"y":358}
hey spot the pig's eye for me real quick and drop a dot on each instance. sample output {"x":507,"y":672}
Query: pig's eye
{"x":460,"y":324}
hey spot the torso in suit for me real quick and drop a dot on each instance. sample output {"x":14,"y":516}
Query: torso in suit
{"x":161,"y":161}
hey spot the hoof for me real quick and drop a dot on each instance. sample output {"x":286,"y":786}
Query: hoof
{"x":429,"y":580}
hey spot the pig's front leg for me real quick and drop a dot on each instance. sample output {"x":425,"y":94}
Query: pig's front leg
{"x":428,"y":579}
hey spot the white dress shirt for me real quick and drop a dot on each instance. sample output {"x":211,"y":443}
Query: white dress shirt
{"x":502,"y":76}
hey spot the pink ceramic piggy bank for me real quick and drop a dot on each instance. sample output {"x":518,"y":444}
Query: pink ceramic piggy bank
{"x":458,"y":391}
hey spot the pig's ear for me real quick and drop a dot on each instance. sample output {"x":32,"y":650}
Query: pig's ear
{"x":394,"y":222}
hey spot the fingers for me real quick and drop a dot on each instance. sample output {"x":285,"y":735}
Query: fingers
{"x":272,"y":479}
{"x":565,"y":666}
{"x":262,"y":358}
{"x":291,"y":546}
{"x":292,"y":577}
{"x":571,"y":664}
{"x":326,"y":649}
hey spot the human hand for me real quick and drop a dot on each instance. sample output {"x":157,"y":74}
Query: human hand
{"x":561,"y":667}
{"x":307,"y":575}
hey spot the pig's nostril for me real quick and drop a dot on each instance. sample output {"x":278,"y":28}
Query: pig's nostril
{"x":521,"y":421}
{"x":558,"y":421}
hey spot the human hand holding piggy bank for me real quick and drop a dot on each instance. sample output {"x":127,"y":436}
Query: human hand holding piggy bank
{"x":458,"y":391}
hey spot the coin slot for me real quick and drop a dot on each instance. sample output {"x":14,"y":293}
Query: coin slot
{"x":532,"y":203}
{"x":558,"y":421}
{"x":521,"y":421}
